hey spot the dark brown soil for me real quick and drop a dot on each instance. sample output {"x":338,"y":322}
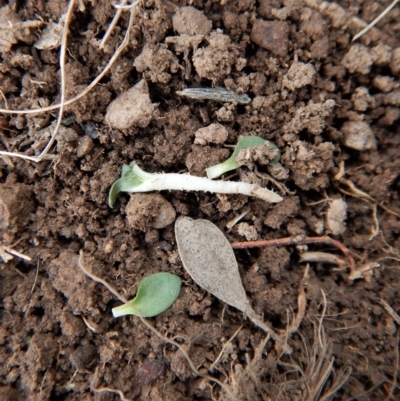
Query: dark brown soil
{"x":332,"y":108}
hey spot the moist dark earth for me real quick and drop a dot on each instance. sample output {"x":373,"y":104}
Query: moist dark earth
{"x":330,"y":105}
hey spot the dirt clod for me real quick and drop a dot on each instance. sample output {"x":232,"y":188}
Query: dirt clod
{"x":358,"y":135}
{"x":272,"y":36}
{"x":190,"y":21}
{"x":214,"y":133}
{"x":16,"y":204}
{"x":395,"y":62}
{"x":149,"y":210}
{"x":299,"y":75}
{"x":217,"y":60}
{"x":132,"y":108}
{"x":157,"y":63}
{"x":358,"y":59}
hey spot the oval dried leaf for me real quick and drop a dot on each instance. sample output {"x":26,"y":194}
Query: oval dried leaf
{"x":209,"y":259}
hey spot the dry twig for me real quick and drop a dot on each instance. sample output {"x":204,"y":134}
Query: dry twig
{"x":297,"y":241}
{"x":375,"y":21}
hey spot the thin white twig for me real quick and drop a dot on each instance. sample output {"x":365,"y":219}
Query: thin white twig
{"x":63,"y":51}
{"x":100,"y":280}
{"x":114,"y":22}
{"x":75,"y":98}
{"x":375,"y":21}
{"x":36,"y":276}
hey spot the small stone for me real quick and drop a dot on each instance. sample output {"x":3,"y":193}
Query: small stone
{"x":336,"y":216}
{"x":145,"y":211}
{"x":272,"y":36}
{"x":109,"y":247}
{"x":358,"y":135}
{"x":85,"y":145}
{"x":214,"y":133}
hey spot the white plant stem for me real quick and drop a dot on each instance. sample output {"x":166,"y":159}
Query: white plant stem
{"x":186,"y":182}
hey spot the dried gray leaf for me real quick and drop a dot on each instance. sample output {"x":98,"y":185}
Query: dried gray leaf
{"x":209,"y":259}
{"x":218,"y":94}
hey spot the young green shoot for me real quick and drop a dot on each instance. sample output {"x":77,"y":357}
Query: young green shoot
{"x":134,"y":179}
{"x":155,"y":294}
{"x":231,"y":164}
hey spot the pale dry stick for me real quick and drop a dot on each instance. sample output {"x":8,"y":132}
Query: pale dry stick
{"x":323,"y":378}
{"x":375,"y":21}
{"x":125,"y":7}
{"x":78,"y":96}
{"x":122,"y":46}
{"x":322,"y":318}
{"x":100,"y":280}
{"x":4,"y":98}
{"x":375,"y":230}
{"x":154,"y":330}
{"x":36,"y":277}
{"x":114,"y":22}
{"x":337,"y":384}
{"x":345,"y":327}
{"x":301,"y":304}
{"x":15,"y":253}
{"x":391,"y":311}
{"x":358,"y":193}
{"x":251,"y":364}
{"x":294,"y":241}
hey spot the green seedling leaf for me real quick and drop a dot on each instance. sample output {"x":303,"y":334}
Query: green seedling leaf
{"x":131,"y":176}
{"x":209,"y":259}
{"x":156,"y":293}
{"x":231,"y":163}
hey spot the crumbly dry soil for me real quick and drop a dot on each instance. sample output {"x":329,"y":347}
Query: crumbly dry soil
{"x":331,"y":106}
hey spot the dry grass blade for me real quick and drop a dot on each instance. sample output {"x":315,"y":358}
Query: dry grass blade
{"x":321,"y":366}
{"x":375,"y":21}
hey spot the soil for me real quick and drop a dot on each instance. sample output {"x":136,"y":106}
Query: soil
{"x":332,"y":108}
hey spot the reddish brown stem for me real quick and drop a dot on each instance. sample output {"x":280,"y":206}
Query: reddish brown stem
{"x":293,"y":241}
